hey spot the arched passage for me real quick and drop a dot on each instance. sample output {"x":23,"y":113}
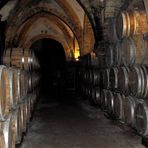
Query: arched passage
{"x":51,"y":56}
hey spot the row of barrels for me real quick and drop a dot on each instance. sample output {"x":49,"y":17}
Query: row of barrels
{"x":126,"y":52}
{"x":14,"y":86}
{"x":20,"y":58}
{"x":90,"y":76}
{"x":128,"y":109}
{"x":15,"y":126}
{"x":128,"y":80}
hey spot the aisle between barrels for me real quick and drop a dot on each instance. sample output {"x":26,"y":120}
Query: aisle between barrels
{"x":69,"y":124}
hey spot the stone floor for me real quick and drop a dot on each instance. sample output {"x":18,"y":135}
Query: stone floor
{"x":66,"y":124}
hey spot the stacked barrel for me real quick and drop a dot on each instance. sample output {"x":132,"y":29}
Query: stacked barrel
{"x":124,"y":74}
{"x":89,"y":78}
{"x":123,"y":68}
{"x":18,"y":95}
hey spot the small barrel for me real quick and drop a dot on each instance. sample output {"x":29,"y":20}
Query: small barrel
{"x":113,"y":78}
{"x":110,"y":103}
{"x":131,"y":23}
{"x":136,"y":81}
{"x":105,"y":77}
{"x":118,"y":106}
{"x":4,"y":93}
{"x":141,"y":118}
{"x":104,"y":99}
{"x":129,"y":110}
{"x":123,"y":80}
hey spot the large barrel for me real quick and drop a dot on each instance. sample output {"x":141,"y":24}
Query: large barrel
{"x":19,"y":58}
{"x":136,"y":81}
{"x":141,"y":117}
{"x":9,"y":131}
{"x":129,"y":110}
{"x":113,"y":78}
{"x":118,"y":106}
{"x":134,"y":51}
{"x":123,"y":79}
{"x":131,"y":23}
{"x":4,"y":93}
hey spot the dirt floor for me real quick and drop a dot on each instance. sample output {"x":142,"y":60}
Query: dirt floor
{"x":68,"y":124}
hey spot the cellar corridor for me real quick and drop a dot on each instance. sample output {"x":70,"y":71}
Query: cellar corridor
{"x":72,"y":124}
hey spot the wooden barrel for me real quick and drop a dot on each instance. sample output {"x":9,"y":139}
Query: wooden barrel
{"x":118,"y":106}
{"x":123,"y":80}
{"x":129,"y":110}
{"x":113,"y":78}
{"x":131,"y":23}
{"x":4,"y":93}
{"x":95,"y":77}
{"x":105,"y":77}
{"x":19,"y":58}
{"x":9,"y":130}
{"x":95,"y":96}
{"x":13,"y":88}
{"x":104,"y":99}
{"x":134,"y":51}
{"x":110,"y":102}
{"x":136,"y":81}
{"x":141,"y":118}
{"x":34,"y":63}
{"x":19,"y":124}
{"x":117,"y":53}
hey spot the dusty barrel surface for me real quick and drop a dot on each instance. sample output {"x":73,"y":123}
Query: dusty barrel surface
{"x":129,"y":110}
{"x":118,"y":106}
{"x":131,"y":23}
{"x":141,"y":117}
{"x":4,"y":93}
{"x":134,"y":51}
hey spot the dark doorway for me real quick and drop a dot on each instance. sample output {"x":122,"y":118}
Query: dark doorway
{"x":52,"y":60}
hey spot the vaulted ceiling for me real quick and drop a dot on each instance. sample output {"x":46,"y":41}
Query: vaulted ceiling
{"x":62,"y":20}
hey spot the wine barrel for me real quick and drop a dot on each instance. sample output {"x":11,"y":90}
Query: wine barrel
{"x":13,"y":88}
{"x":105,"y":77}
{"x":129,"y":110}
{"x":4,"y":93}
{"x":95,"y":95}
{"x":123,"y":80}
{"x":118,"y":106}
{"x":136,"y":81}
{"x":9,"y":131}
{"x":95,"y":77}
{"x":19,"y":124}
{"x":131,"y":23}
{"x":110,"y":102}
{"x":19,"y":58}
{"x":141,"y":118}
{"x":104,"y":99}
{"x":134,"y":51}
{"x":113,"y":78}
{"x":117,"y":54}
